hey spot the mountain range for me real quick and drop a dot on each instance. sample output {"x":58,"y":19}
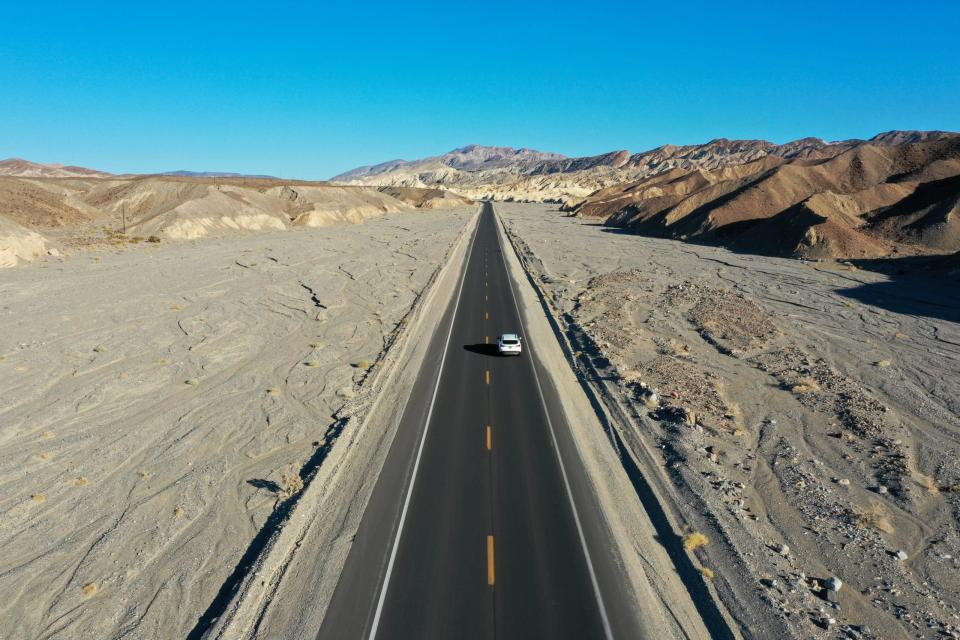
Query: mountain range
{"x":20,"y":168}
{"x":504,"y":173}
{"x":897,"y":193}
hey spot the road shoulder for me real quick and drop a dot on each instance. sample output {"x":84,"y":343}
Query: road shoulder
{"x":664,"y":606}
{"x":301,"y":565}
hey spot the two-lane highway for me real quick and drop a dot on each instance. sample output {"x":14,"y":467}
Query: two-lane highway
{"x":473,"y":529}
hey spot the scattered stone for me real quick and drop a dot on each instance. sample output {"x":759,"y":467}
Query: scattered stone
{"x":901,"y":555}
{"x":783,"y":550}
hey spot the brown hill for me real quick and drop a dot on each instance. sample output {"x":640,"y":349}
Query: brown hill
{"x":524,"y":175}
{"x":184,"y":208}
{"x":17,"y":167}
{"x":426,"y":198}
{"x":858,"y":203}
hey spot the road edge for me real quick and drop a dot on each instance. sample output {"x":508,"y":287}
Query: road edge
{"x":366,"y":418}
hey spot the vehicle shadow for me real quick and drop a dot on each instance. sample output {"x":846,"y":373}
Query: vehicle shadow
{"x":483,"y":349}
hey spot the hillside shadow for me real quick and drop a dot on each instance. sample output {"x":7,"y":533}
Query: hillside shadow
{"x":927,"y":286}
{"x":918,"y":286}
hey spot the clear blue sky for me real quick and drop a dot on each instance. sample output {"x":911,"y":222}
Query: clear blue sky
{"x":310,"y":89}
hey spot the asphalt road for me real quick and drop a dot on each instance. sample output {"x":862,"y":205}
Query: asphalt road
{"x":476,"y":528}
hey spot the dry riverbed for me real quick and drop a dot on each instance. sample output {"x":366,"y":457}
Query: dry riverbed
{"x":806,"y":415}
{"x":160,"y":401}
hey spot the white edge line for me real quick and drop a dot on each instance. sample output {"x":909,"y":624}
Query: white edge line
{"x":423,"y":439}
{"x":563,"y":471}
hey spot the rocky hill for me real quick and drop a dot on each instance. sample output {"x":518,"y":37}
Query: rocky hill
{"x":898,"y":193}
{"x":504,"y":173}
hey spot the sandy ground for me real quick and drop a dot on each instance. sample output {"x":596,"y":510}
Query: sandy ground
{"x":804,"y":416}
{"x":160,"y":400}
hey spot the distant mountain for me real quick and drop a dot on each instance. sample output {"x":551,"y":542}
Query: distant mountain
{"x":20,"y":168}
{"x":215,"y":174}
{"x":504,"y":173}
{"x":473,"y":157}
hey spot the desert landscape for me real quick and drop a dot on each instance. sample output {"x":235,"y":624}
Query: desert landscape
{"x":772,"y":331}
{"x":803,"y":415}
{"x":164,"y":399}
{"x":620,"y":321}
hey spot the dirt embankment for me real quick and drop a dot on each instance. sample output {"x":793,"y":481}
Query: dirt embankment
{"x":807,"y":418}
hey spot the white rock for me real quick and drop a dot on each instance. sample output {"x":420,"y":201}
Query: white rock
{"x":834,"y":584}
{"x":901,"y":554}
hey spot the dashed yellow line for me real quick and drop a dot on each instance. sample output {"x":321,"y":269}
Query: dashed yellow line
{"x":491,"y":575}
{"x":488,"y":376}
{"x":486,"y":315}
{"x":486,"y":339}
{"x":489,"y":438}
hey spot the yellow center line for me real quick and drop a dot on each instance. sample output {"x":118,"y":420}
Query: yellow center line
{"x":486,"y":339}
{"x":489,"y":438}
{"x":486,"y":315}
{"x":488,"y":376}
{"x":490,"y":564}
{"x":486,"y":298}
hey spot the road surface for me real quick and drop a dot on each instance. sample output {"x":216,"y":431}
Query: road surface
{"x":476,"y":528}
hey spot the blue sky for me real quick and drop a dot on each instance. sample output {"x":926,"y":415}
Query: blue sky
{"x":310,"y":89}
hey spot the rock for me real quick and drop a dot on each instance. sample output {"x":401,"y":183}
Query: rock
{"x":882,"y":490}
{"x":844,"y":482}
{"x":834,"y":584}
{"x":783,"y":550}
{"x":901,"y":555}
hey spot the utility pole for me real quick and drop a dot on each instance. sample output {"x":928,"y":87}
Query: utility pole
{"x":123,"y":215}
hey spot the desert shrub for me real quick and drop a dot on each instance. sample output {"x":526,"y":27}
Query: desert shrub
{"x":874,"y":516}
{"x":290,"y":483}
{"x":695,"y":540}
